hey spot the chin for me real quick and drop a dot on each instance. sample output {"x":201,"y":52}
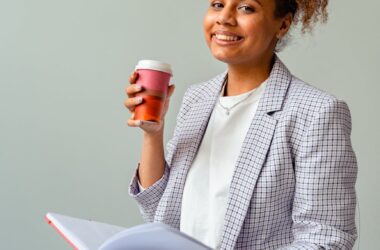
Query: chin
{"x":224,"y":60}
{"x":228,"y":59}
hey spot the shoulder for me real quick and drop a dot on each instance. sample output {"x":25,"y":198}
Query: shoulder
{"x":308,"y":103}
{"x":203,"y":90}
{"x":306,"y":96}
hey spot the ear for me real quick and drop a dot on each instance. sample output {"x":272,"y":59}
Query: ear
{"x":286,"y":22}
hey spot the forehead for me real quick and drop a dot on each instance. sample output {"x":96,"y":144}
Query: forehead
{"x":257,"y":1}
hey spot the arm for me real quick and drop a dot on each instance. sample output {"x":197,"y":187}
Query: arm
{"x":326,"y":169}
{"x":152,"y":163}
{"x":149,"y":197}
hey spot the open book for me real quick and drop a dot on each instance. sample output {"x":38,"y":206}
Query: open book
{"x":85,"y":234}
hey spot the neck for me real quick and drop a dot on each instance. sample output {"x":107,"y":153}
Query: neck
{"x":245,"y":77}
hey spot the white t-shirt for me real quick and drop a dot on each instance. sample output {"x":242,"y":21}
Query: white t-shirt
{"x":207,"y":184}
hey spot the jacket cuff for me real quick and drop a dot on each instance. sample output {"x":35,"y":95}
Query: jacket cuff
{"x":152,"y":194}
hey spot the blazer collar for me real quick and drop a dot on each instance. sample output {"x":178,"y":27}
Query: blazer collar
{"x":273,"y":95}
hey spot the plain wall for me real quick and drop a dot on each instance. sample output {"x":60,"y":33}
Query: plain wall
{"x":64,"y":143}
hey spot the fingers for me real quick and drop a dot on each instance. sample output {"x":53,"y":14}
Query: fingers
{"x":134,"y":123}
{"x":132,"y":89}
{"x":133,"y":77}
{"x":131,"y":103}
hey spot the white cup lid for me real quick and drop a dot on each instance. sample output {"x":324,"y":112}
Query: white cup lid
{"x":154,"y":65}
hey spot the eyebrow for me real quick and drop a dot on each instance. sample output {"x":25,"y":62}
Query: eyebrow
{"x":257,"y":1}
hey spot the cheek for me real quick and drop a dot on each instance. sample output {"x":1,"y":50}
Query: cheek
{"x":208,"y":22}
{"x":269,"y":28}
{"x":260,"y":32}
{"x":207,"y":27}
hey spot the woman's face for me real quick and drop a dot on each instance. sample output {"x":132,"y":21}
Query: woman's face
{"x":241,"y":31}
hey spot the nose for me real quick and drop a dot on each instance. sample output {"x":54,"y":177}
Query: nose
{"x":226,"y":17}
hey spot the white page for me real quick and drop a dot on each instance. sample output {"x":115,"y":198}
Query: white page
{"x":150,"y":236}
{"x":83,"y":234}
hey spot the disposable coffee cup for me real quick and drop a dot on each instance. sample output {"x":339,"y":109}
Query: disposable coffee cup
{"x":154,"y":78}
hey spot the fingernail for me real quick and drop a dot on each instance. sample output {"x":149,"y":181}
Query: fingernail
{"x":138,"y":87}
{"x":138,"y":123}
{"x":139,"y":99}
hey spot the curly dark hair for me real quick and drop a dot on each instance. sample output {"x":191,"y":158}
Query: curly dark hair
{"x":308,"y":12}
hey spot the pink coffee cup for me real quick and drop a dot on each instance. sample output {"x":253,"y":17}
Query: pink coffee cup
{"x":154,"y":77}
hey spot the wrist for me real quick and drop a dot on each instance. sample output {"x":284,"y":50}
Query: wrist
{"x":156,"y":132}
{"x":159,"y":134}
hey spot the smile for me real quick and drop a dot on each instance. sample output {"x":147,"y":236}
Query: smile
{"x":227,"y":38}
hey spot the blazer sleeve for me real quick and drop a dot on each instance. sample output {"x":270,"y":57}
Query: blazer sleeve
{"x":148,"y":199}
{"x":326,"y":169}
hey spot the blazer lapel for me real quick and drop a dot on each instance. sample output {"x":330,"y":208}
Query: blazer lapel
{"x":253,"y":154}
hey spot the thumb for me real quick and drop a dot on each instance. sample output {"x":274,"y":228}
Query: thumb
{"x":170,"y":90}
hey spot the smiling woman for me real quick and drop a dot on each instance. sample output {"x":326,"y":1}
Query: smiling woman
{"x":259,"y":159}
{"x":243,"y":33}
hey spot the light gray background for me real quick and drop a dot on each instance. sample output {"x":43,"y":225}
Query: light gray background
{"x":64,"y":143}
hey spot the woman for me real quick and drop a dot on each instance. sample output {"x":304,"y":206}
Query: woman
{"x":259,"y":159}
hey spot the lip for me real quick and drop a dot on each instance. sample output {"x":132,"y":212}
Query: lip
{"x":224,"y":42}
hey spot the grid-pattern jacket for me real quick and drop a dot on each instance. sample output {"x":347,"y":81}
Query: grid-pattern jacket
{"x":294,"y":181}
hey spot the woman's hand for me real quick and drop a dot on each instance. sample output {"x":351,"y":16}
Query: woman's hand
{"x":132,"y":101}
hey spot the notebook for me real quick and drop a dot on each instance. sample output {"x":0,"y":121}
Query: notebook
{"x":83,"y":234}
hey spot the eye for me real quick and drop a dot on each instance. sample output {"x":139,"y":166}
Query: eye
{"x":247,"y":9}
{"x":216,"y":5}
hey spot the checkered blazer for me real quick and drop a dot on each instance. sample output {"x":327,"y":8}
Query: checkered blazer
{"x":294,"y":182}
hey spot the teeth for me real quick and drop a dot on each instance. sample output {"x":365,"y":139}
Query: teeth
{"x":226,"y":38}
